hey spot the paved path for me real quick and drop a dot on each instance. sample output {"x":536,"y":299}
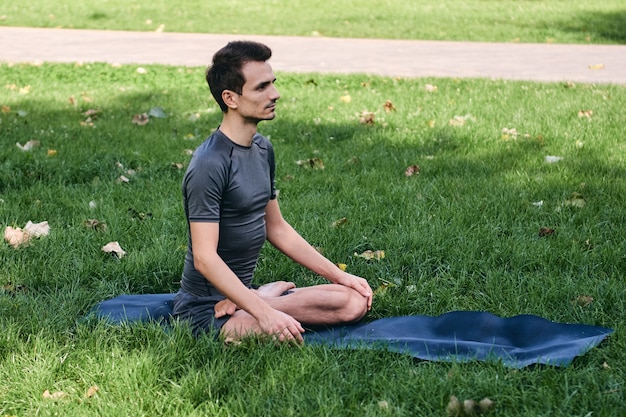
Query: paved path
{"x":536,"y":62}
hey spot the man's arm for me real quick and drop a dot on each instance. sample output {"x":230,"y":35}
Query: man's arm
{"x":204,"y":238}
{"x":286,"y":239}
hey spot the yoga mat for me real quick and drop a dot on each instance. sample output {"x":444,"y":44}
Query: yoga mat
{"x":459,"y":336}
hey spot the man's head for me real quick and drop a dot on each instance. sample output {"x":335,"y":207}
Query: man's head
{"x":225,"y":73}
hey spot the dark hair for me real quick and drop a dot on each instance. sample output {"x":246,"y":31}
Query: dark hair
{"x":225,"y":71}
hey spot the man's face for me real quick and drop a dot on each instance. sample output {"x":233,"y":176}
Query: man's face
{"x":258,"y":97}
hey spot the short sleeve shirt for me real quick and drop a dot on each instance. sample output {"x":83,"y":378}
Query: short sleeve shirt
{"x":229,"y":184}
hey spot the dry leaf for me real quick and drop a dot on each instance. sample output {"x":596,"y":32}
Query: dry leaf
{"x":368,"y":254}
{"x":585,"y":113}
{"x":546,"y":231}
{"x":315,"y":163}
{"x":340,"y":222}
{"x":114,"y":248}
{"x":47,"y":395}
{"x":486,"y":405}
{"x":389,"y":107}
{"x":6,"y":109}
{"x":93,"y":113}
{"x":15,"y":236}
{"x":460,"y":120}
{"x":341,"y":266}
{"x":367,"y":118}
{"x":576,"y":200}
{"x":96,"y":225}
{"x":454,"y":407}
{"x":28,"y":146}
{"x":412,"y":170}
{"x":91,"y":391}
{"x":37,"y":229}
{"x":52,"y":152}
{"x":141,"y":119}
{"x":551,"y":159}
{"x":346,"y":98}
{"x":583,"y":300}
{"x":596,"y":67}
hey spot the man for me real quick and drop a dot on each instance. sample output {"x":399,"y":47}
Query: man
{"x":231,"y":208}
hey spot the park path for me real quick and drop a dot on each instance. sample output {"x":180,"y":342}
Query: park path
{"x":401,"y":58}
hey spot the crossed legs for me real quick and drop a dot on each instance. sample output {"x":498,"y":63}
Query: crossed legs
{"x":325,"y":304}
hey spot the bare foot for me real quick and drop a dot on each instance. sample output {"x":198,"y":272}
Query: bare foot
{"x":275,"y":289}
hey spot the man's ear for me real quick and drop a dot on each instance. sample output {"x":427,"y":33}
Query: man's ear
{"x":230,"y":98}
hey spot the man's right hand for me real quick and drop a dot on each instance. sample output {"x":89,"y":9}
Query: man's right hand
{"x":282,"y":326}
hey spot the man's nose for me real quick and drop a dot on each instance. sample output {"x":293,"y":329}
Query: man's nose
{"x":274,"y":93}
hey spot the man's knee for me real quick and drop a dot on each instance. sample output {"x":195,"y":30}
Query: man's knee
{"x":354,"y":305}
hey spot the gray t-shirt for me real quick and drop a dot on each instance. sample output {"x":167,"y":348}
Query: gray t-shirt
{"x":229,"y":184}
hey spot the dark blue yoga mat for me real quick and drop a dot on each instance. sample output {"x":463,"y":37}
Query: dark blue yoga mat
{"x":459,"y":336}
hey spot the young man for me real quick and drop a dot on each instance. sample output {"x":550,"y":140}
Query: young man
{"x":231,"y":208}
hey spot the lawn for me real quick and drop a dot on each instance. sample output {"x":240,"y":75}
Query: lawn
{"x":466,"y":233}
{"x":517,"y":208}
{"x":551,"y":21}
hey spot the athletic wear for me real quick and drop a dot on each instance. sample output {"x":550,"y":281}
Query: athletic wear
{"x":231,"y":185}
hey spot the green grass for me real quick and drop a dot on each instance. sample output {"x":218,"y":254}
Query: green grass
{"x":461,"y":235}
{"x":559,"y":21}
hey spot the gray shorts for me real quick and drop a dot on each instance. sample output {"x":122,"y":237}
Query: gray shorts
{"x":199,"y":312}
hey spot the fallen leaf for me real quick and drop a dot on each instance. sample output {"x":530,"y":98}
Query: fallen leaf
{"x":28,"y":146}
{"x":596,"y":67}
{"x":157,"y":112}
{"x":460,"y":120}
{"x":177,"y":165}
{"x":485,"y":405}
{"x":412,"y":170}
{"x":340,"y":222}
{"x":583,"y":300}
{"x":315,"y":163}
{"x":160,"y":29}
{"x":114,"y":248}
{"x":470,"y":408}
{"x":72,"y":100}
{"x":93,"y":113}
{"x":454,"y":407}
{"x":546,"y":231}
{"x":551,"y":159}
{"x":91,"y":391}
{"x":389,"y":107}
{"x":508,"y":134}
{"x":6,"y":109}
{"x":37,"y":229}
{"x":343,"y":267}
{"x":52,"y":152}
{"x":369,"y":254}
{"x":367,"y":118}
{"x":585,"y":113}
{"x":346,"y":98}
{"x":123,"y":179}
{"x":15,"y":236}
{"x":576,"y":200}
{"x":18,"y":236}
{"x":96,"y":225}
{"x":47,"y":395}
{"x":138,"y":215}
{"x":141,"y":119}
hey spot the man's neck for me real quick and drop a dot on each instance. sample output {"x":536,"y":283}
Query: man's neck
{"x":238,"y":131}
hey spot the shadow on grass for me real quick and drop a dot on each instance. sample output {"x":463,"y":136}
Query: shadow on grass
{"x":600,"y":27}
